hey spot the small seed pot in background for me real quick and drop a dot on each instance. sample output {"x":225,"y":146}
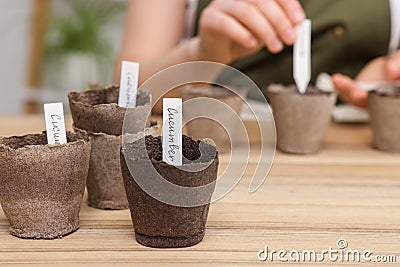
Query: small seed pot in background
{"x":384,"y":110}
{"x":301,"y":119}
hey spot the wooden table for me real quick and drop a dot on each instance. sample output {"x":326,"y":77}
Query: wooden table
{"x":348,"y":191}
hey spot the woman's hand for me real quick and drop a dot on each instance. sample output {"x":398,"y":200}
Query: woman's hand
{"x":232,"y":29}
{"x":379,"y":69}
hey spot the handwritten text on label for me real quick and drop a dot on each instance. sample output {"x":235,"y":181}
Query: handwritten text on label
{"x":55,"y":124}
{"x":128,"y":84}
{"x":172,"y":131}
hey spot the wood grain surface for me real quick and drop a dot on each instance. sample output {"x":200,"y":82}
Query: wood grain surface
{"x":347,"y":191}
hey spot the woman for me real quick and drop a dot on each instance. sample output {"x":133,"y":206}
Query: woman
{"x":255,"y":36}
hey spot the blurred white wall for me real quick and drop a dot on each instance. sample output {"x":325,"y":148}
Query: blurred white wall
{"x":15,"y":18}
{"x":15,"y":27}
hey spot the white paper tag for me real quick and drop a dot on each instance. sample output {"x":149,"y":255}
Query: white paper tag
{"x":128,"y":84}
{"x":302,"y":56}
{"x":172,"y":131}
{"x":55,"y":124}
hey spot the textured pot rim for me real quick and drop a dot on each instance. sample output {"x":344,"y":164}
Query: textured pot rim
{"x":72,"y":94}
{"x":84,"y":138}
{"x":212,"y":92}
{"x":322,"y":94}
{"x":98,"y":134}
{"x":165,"y":164}
{"x":277,"y":89}
{"x":374,"y":93}
{"x":90,"y":133}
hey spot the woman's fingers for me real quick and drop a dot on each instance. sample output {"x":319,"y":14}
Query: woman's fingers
{"x":270,"y":21}
{"x":293,"y":10}
{"x":251,"y":17}
{"x":378,"y":69}
{"x":278,"y":20}
{"x":220,"y":23}
{"x":349,"y":91}
{"x":283,"y":16}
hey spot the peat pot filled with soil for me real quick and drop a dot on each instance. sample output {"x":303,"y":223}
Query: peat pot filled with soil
{"x":157,"y":223}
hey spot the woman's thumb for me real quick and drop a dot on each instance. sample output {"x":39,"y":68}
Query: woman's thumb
{"x":393,"y":66}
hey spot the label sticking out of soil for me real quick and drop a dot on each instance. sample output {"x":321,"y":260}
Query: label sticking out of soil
{"x":302,"y":56}
{"x":55,"y":124}
{"x":128,"y":84}
{"x":172,"y":131}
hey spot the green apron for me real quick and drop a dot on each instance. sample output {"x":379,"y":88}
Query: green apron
{"x":346,"y":34}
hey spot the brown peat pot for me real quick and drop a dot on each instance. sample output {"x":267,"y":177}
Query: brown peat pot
{"x":384,"y":110}
{"x":301,"y":119}
{"x":156,"y":223}
{"x":42,"y":185}
{"x":97,"y":112}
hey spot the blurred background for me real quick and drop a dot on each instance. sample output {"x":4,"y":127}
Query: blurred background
{"x":50,"y":47}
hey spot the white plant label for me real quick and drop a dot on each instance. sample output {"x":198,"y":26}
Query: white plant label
{"x":55,"y":124}
{"x":302,"y":56}
{"x":128,"y":84}
{"x":172,"y":131}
